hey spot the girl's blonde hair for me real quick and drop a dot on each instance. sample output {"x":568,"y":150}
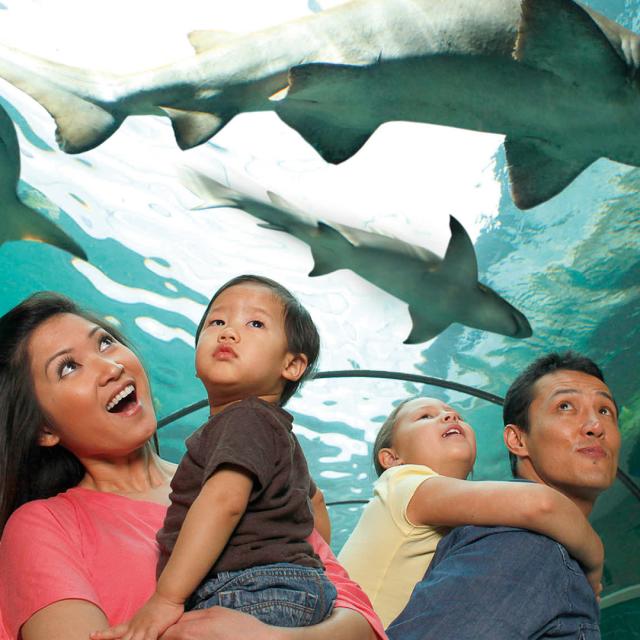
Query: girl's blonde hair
{"x":384,"y":439}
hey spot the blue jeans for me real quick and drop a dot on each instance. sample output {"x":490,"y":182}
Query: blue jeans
{"x":281,"y":594}
{"x":499,"y":583}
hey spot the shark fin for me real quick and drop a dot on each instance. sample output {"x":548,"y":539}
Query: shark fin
{"x":306,"y":107}
{"x":272,"y":227}
{"x":205,"y":40}
{"x":80,"y":125}
{"x":325,"y":261}
{"x":539,"y":170}
{"x":320,"y":269}
{"x":24,"y":223}
{"x":192,"y":128}
{"x":550,"y":37}
{"x":288,"y":207}
{"x":423,"y":328}
{"x":460,"y":257}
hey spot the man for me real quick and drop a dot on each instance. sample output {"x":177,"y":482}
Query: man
{"x":502,"y":583}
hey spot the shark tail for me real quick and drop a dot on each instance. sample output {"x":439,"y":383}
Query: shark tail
{"x":303,"y":107}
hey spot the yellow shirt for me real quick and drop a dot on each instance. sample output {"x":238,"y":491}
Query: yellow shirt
{"x":386,"y":554}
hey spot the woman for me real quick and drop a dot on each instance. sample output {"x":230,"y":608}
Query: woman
{"x":82,"y":491}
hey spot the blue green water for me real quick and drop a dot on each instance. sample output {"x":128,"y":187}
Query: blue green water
{"x":571,"y":265}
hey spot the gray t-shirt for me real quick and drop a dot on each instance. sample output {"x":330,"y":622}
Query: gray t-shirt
{"x":256,"y":436}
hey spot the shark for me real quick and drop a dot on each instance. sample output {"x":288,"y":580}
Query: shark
{"x":17,"y":220}
{"x":556,"y":78}
{"x":438,"y":291}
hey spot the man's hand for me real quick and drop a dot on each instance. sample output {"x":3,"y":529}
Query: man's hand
{"x":219,"y":623}
{"x":157,"y":615}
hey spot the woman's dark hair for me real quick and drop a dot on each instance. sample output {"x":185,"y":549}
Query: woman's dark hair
{"x":521,"y":392}
{"x":302,"y":334}
{"x":27,"y":470}
{"x":384,"y":439}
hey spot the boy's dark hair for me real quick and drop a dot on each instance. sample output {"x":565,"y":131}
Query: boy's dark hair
{"x":520,"y":394}
{"x":302,"y":334}
{"x":27,"y":470}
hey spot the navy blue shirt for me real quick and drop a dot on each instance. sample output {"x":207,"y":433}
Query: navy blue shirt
{"x":499,"y":583}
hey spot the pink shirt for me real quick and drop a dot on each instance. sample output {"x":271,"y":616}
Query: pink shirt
{"x":101,"y":547}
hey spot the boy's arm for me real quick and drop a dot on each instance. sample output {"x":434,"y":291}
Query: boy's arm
{"x":209,"y":523}
{"x":443,"y":501}
{"x":321,"y":520}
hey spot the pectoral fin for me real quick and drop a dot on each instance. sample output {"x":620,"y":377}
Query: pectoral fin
{"x":307,"y":107}
{"x":539,"y":170}
{"x":192,"y":128}
{"x":80,"y":125}
{"x":424,"y":327}
{"x":331,"y":245}
{"x":23,"y":223}
{"x":272,"y":227}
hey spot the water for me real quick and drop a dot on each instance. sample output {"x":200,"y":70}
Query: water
{"x":571,"y":265}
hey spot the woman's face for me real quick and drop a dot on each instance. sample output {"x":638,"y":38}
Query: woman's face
{"x":431,"y":433}
{"x":93,"y":390}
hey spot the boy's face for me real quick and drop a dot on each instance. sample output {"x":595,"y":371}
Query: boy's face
{"x":242,"y":350}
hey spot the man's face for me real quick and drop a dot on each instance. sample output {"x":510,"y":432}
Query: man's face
{"x":573,"y":440}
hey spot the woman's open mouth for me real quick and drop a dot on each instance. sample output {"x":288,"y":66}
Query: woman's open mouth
{"x":123,"y":400}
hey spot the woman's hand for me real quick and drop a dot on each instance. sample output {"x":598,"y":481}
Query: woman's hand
{"x":218,"y":623}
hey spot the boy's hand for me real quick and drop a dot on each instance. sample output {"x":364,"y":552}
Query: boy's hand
{"x":155,"y":617}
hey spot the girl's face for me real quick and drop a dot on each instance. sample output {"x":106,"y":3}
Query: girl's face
{"x":92,"y":390}
{"x":431,"y":433}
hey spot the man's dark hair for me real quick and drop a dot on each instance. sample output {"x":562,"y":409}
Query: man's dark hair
{"x":302,"y":334}
{"x":520,"y":394}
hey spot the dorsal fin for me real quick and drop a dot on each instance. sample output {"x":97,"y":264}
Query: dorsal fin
{"x":204,"y":39}
{"x":460,"y":257}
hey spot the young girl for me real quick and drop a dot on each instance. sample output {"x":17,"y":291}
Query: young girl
{"x":240,"y":511}
{"x":423,"y":453}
